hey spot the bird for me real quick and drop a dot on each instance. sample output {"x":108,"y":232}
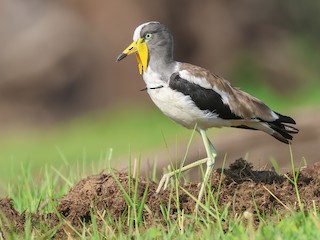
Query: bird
{"x":196,"y":98}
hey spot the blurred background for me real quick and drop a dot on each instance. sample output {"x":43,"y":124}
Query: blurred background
{"x":64,"y":101}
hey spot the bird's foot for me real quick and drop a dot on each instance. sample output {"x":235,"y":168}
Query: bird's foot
{"x":166,"y":177}
{"x":164,"y":181}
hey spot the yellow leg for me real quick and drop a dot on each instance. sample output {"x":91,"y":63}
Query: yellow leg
{"x":210,"y":160}
{"x":211,"y":153}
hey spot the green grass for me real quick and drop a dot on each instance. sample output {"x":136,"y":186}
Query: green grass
{"x":28,"y":194}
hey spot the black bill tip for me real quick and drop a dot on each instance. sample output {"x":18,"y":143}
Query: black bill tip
{"x":121,"y":56}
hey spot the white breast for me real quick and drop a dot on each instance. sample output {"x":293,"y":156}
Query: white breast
{"x":176,"y":105}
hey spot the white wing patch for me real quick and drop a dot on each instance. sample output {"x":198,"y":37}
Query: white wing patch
{"x":202,"y":82}
{"x":274,"y":115}
{"x":224,"y":96}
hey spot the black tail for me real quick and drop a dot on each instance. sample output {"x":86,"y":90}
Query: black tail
{"x":282,"y":128}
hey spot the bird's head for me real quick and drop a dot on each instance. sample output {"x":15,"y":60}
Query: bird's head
{"x":149,"y":38}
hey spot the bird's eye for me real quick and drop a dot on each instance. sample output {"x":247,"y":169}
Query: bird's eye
{"x":148,"y":36}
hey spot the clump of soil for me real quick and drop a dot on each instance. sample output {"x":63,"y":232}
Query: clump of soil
{"x":241,"y":171}
{"x":243,"y":188}
{"x":10,"y":219}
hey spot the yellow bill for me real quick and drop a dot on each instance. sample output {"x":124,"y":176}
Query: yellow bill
{"x":142,"y":54}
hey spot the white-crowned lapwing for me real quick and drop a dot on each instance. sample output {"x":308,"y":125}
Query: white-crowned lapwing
{"x":196,"y":98}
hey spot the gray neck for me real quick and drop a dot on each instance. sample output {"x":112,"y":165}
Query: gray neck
{"x":161,"y":61}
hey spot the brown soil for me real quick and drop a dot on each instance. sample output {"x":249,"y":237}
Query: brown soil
{"x":239,"y":185}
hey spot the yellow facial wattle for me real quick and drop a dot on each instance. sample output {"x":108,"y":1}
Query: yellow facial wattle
{"x":140,"y":66}
{"x":143,"y":55}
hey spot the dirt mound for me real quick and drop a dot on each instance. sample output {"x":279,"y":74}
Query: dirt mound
{"x":242,"y":189}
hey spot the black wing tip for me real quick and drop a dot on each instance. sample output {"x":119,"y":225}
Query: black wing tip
{"x":283,"y":129}
{"x":281,"y":138}
{"x":285,"y":119}
{"x":283,"y":132}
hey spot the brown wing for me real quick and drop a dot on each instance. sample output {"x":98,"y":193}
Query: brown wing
{"x":240,"y":103}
